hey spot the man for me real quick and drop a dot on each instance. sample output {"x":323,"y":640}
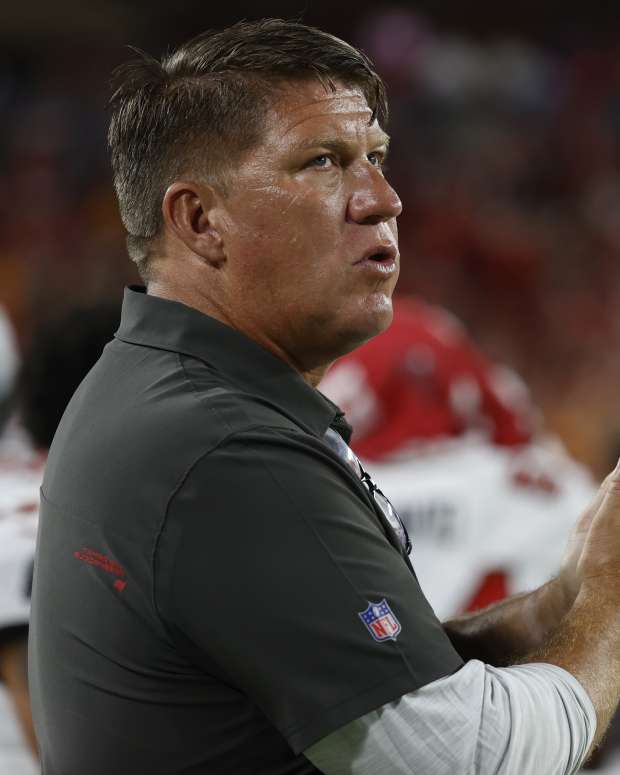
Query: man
{"x":217,"y":588}
{"x":493,"y":497}
{"x":61,"y":353}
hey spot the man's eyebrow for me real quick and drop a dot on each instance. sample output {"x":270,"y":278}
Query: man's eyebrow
{"x":338,"y":145}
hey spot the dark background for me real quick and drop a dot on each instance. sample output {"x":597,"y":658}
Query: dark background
{"x":551,"y":22}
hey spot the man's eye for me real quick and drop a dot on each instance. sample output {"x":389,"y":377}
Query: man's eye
{"x":323,"y":161}
{"x":376,"y":159}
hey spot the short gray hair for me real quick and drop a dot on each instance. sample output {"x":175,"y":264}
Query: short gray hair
{"x":202,"y":106}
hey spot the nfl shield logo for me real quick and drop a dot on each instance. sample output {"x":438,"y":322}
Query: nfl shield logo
{"x":380,"y":621}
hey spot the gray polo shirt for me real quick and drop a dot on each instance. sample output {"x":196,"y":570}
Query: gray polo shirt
{"x":215,"y":589}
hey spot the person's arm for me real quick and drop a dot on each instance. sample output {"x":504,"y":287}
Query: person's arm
{"x":512,"y":629}
{"x":316,"y":564}
{"x":587,"y":643}
{"x":480,"y":720}
{"x":14,"y":675}
{"x":529,"y":718}
{"x":507,"y":631}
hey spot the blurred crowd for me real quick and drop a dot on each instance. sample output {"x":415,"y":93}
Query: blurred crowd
{"x":61,"y":240}
{"x":507,"y":158}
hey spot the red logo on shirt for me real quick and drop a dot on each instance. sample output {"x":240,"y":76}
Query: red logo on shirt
{"x":107,"y":564}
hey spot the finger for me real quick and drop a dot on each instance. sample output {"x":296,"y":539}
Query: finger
{"x":606,"y":505}
{"x":584,"y":522}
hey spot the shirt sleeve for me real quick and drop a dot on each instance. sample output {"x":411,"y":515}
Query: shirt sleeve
{"x":529,"y":719}
{"x":268,"y":558}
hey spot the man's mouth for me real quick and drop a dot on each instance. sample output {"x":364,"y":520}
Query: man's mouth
{"x":380,"y":258}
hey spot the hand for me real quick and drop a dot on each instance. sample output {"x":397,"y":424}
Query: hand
{"x":600,"y":557}
{"x":570,"y":577}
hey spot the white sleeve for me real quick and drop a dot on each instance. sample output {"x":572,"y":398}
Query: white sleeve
{"x":530,"y":719}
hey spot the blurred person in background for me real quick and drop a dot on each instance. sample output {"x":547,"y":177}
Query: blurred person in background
{"x":9,"y":360}
{"x":20,"y":478}
{"x":488,"y":499}
{"x":61,"y":353}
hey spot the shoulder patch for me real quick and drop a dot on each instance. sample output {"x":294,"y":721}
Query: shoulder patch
{"x":380,"y":621}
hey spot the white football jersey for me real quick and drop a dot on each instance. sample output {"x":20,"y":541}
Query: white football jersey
{"x":479,"y":514}
{"x":20,"y":480}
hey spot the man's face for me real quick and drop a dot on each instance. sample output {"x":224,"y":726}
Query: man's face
{"x":309,"y":228}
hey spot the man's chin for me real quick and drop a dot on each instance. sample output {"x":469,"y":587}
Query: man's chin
{"x":374,"y":317}
{"x":378,"y":308}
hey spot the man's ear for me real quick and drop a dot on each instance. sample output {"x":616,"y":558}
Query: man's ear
{"x":188,"y":209}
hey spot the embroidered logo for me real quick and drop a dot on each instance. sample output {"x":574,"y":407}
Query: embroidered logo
{"x":107,"y":564}
{"x":381,"y":622}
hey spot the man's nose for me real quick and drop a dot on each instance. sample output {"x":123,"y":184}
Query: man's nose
{"x":373,"y":200}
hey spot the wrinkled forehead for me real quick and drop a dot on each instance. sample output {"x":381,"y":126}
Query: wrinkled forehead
{"x":310,"y":106}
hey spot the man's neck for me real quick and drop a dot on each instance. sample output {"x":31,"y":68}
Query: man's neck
{"x":194,"y":298}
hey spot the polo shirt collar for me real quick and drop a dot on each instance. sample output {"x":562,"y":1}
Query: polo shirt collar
{"x":170,"y":325}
